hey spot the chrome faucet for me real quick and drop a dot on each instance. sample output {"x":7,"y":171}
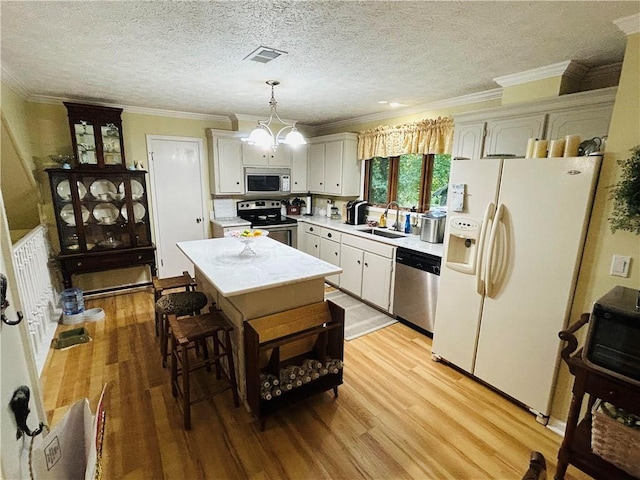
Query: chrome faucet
{"x":396,"y":225}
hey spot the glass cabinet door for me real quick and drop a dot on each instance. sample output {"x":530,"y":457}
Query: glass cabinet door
{"x":111,"y":144}
{"x":85,"y":143}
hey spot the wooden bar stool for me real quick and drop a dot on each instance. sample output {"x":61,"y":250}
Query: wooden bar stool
{"x":179,"y":304}
{"x":186,"y":333}
{"x":161,"y":284}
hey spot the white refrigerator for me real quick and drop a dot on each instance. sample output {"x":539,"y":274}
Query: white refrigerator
{"x":509,"y":269}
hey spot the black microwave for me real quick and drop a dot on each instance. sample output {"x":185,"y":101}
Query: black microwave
{"x":613,"y":338}
{"x":267,"y":181}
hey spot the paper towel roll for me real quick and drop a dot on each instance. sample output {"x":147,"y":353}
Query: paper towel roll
{"x":571,"y":144}
{"x":530,"y":146}
{"x":556,"y":148}
{"x":540,"y":149}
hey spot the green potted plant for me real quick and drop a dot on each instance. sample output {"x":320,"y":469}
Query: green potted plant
{"x":626,"y":195}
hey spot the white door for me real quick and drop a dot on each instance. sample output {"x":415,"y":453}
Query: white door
{"x":18,"y":368}
{"x":546,"y":205}
{"x":459,"y":303}
{"x":178,"y":171}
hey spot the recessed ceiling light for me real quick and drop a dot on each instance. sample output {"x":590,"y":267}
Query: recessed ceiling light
{"x":264,"y":54}
{"x":383,"y":101}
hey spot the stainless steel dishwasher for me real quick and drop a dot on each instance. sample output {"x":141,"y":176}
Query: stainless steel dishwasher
{"x":416,"y":291}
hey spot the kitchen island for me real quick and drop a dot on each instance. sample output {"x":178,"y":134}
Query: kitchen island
{"x":244,"y":287}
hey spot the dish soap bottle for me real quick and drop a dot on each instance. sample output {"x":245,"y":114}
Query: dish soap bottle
{"x":383,"y":221}
{"x":407,"y":224}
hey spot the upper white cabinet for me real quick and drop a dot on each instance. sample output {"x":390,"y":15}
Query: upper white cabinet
{"x":226,"y":173}
{"x":259,"y":156}
{"x":509,"y":135}
{"x":333,"y":166}
{"x":505,"y":130}
{"x":298,"y":168}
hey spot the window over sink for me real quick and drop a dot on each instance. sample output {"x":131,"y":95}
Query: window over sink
{"x":412,"y":180}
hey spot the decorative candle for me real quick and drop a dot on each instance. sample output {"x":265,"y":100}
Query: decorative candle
{"x":571,"y":144}
{"x":556,"y":148}
{"x":540,"y":149}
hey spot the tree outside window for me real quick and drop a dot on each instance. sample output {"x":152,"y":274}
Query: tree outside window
{"x":412,"y":180}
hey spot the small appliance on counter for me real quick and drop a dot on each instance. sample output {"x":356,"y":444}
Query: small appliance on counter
{"x":356,"y":212}
{"x":433,"y":224}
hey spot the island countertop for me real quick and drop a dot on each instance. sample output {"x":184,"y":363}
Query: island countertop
{"x":273,"y":265}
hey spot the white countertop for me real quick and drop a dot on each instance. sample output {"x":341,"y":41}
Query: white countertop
{"x":274,"y":264}
{"x":412,"y":242}
{"x":231,"y":222}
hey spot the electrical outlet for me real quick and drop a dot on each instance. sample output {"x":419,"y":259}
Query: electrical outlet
{"x":620,"y":266}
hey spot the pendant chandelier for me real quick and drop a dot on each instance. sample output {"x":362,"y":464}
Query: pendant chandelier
{"x":263,"y":136}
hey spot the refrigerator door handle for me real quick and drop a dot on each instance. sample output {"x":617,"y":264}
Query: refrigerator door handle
{"x":491,"y":250}
{"x":488,"y":216}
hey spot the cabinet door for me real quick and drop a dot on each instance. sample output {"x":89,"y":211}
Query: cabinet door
{"x":298,"y":168}
{"x":333,"y":156}
{"x":351,"y":261}
{"x":588,"y":122}
{"x":330,"y":253}
{"x":255,"y":155}
{"x":229,"y":166}
{"x":468,"y":140}
{"x":510,"y":135}
{"x":316,"y":167}
{"x":376,"y":280}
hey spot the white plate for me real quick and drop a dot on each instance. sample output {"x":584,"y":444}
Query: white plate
{"x":64,"y":190}
{"x":105,"y":213}
{"x":137,"y":190}
{"x":102,"y":189}
{"x":67,"y":215}
{"x":138,"y":212}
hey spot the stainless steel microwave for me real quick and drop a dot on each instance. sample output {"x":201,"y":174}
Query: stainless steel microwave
{"x":267,"y":181}
{"x":613,"y":339}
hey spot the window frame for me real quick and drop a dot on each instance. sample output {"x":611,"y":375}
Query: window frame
{"x":426,"y":181}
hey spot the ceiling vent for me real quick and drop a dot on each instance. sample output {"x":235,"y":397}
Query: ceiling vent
{"x":264,"y":54}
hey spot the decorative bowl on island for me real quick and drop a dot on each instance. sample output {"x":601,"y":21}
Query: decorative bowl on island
{"x":247,"y":236}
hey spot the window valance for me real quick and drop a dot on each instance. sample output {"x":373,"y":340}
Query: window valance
{"x":426,"y":136}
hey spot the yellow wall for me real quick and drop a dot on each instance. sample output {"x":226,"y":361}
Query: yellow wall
{"x":545,"y":88}
{"x":594,"y":279}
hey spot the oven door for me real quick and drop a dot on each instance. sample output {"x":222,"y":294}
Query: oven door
{"x":287,"y":234}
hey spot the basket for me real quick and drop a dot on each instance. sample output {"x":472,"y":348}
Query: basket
{"x":615,"y":442}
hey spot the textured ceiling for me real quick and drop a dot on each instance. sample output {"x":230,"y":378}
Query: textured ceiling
{"x":343,"y":56}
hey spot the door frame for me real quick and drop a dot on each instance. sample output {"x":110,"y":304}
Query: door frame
{"x":204,"y":186}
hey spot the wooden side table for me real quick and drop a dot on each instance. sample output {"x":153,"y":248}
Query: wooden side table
{"x":576,"y":446}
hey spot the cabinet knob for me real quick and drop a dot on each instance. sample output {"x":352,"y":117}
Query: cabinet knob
{"x":139,"y":257}
{"x":336,"y":253}
{"x":612,"y":394}
{"x":198,"y":220}
{"x":237,"y":183}
{"x":79,"y":264}
{"x":320,"y":183}
{"x":311,"y":229}
{"x":329,"y":235}
{"x":358,"y":262}
{"x":366,"y":264}
{"x":337,"y":184}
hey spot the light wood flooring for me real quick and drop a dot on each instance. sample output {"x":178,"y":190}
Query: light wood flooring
{"x":398,"y":414}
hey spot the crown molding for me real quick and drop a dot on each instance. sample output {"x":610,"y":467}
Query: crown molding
{"x":570,"y":67}
{"x":629,"y":25}
{"x":51,"y":100}
{"x":493,"y":94}
{"x":11,"y":81}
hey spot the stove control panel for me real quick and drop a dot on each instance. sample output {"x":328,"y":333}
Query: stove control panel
{"x":257,"y":205}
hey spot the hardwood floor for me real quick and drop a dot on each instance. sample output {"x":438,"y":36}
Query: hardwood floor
{"x":398,"y":414}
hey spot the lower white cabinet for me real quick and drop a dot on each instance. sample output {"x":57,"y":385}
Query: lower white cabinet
{"x":330,"y":251}
{"x":367,"y":269}
{"x":309,"y":239}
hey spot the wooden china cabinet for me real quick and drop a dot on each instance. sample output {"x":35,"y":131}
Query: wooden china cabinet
{"x":101,"y":208}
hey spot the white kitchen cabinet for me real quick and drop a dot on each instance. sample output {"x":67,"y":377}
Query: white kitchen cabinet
{"x":506,"y":130}
{"x":468,"y":139}
{"x":298,"y":168}
{"x":330,"y":251}
{"x":510,"y":135}
{"x":367,"y":269}
{"x":226,"y":173}
{"x":309,"y":239}
{"x":333,"y":165}
{"x":259,"y":156}
{"x":588,"y":122}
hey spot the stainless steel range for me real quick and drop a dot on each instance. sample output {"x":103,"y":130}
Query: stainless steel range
{"x":265,"y":214}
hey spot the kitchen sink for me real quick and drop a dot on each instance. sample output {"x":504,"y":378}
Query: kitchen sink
{"x":382,"y":233}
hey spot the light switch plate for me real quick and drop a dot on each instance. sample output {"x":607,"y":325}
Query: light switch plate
{"x":620,"y":266}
